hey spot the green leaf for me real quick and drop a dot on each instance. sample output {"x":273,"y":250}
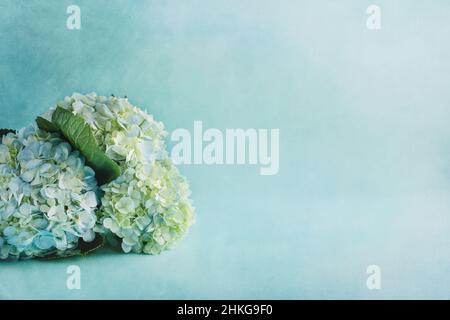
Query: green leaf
{"x":87,"y":247}
{"x":79,"y":135}
{"x":4,"y":132}
{"x":83,"y":249}
{"x":46,"y":125}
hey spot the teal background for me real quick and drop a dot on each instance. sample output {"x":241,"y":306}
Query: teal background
{"x":364,"y":140}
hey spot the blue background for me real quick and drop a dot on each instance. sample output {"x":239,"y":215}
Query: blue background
{"x":364,"y":140}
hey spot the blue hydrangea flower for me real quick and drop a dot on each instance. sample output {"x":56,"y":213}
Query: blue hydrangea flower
{"x":47,"y":195}
{"x":147,"y":208}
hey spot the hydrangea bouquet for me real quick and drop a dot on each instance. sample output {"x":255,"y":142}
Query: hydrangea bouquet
{"x":94,"y":167}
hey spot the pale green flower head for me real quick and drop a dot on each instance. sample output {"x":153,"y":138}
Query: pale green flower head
{"x":47,"y":195}
{"x":147,"y":208}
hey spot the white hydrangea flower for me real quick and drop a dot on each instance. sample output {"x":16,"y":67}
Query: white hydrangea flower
{"x":47,"y":195}
{"x":147,"y":208}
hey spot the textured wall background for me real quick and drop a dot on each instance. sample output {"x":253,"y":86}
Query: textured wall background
{"x":364,"y":151}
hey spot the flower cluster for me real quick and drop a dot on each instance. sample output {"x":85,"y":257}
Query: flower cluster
{"x":147,"y":208}
{"x":48,"y":196}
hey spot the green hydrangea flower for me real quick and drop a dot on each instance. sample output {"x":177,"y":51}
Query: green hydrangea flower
{"x":47,"y":195}
{"x":147,"y":208}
